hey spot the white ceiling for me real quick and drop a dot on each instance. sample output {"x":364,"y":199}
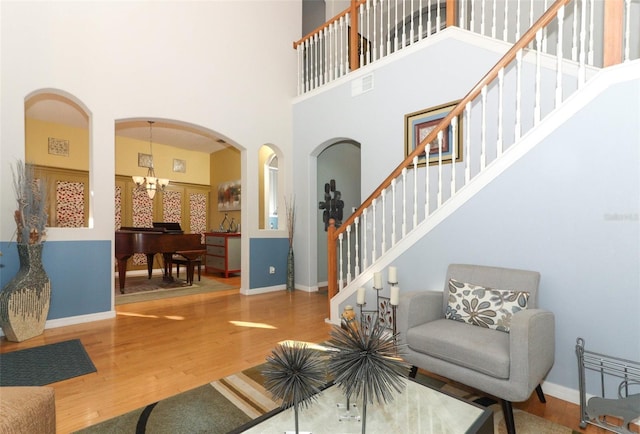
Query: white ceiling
{"x":54,"y":108}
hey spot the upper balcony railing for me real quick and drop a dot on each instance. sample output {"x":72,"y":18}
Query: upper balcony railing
{"x":389,"y":26}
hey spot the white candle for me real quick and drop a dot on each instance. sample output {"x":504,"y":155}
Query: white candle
{"x":377,"y":280}
{"x":395,"y":295}
{"x":393,"y":275}
{"x":360,"y":298}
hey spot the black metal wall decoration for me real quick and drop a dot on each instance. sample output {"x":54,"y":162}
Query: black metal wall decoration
{"x":332,"y":206}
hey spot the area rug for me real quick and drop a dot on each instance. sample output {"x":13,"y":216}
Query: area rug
{"x":225,"y":405}
{"x":141,"y":288}
{"x":45,"y":364}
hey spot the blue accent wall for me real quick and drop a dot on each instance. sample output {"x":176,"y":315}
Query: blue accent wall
{"x":80,"y":274}
{"x":266,"y":252}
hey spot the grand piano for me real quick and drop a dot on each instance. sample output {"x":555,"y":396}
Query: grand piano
{"x":159,"y":239}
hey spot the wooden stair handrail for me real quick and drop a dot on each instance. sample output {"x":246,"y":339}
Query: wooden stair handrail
{"x":510,"y":56}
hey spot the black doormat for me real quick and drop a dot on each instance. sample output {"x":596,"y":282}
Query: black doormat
{"x":45,"y":364}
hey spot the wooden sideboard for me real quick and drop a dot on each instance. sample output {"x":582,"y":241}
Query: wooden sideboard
{"x":223,"y":252}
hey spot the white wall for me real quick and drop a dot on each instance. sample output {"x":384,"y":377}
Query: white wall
{"x":226,"y":66}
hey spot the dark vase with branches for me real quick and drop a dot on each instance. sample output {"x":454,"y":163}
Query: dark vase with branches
{"x":24,"y":301}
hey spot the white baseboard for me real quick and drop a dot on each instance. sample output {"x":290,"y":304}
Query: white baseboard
{"x":73,"y":320}
{"x":263,"y":290}
{"x":562,"y":392}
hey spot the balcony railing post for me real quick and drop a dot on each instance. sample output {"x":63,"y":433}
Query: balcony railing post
{"x":354,"y":35}
{"x":332,"y":262}
{"x":451,"y":13}
{"x":613,"y":29}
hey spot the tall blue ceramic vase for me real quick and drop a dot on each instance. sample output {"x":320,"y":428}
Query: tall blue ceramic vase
{"x":24,"y":302}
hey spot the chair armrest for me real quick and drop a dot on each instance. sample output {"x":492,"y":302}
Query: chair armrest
{"x":415,"y":308}
{"x":532,"y":347}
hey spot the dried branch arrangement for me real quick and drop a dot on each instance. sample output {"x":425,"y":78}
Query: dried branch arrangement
{"x":31,"y":195}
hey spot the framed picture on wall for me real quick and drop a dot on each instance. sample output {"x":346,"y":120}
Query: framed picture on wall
{"x":229,"y":194}
{"x":419,"y":124}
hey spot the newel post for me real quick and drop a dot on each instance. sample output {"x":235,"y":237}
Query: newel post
{"x":332,"y":261}
{"x":354,"y":57}
{"x":613,"y":30}
{"x":451,"y":13}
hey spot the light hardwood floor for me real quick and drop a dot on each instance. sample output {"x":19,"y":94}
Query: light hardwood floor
{"x":153,"y":350}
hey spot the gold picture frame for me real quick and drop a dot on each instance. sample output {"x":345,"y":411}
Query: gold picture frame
{"x":419,"y":124}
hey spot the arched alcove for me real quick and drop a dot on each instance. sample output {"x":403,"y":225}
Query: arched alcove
{"x":58,"y":144}
{"x":269,"y":180}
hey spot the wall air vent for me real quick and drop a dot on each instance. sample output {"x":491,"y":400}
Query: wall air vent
{"x":362,"y":84}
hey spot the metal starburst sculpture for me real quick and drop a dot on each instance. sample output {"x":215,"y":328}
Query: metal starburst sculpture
{"x":366,"y":364}
{"x":295,"y":374}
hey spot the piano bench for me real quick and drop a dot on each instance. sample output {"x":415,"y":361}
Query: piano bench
{"x":190,"y":264}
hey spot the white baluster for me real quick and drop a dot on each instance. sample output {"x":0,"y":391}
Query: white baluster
{"x":383,"y":235}
{"x":483,"y":129}
{"x":393,"y":211}
{"x":404,"y":202}
{"x":462,"y":22}
{"x":420,"y":24}
{"x":467,"y":143}
{"x":356,"y":247}
{"x":505,"y":31}
{"x":389,"y":27}
{"x":538,"y":109}
{"x":530,"y":13}
{"x":518,"y":12}
{"x":591,"y":18}
{"x":559,"y":56}
{"x":373,"y":232}
{"x":395,"y":36}
{"x":440,"y":136}
{"x":429,"y":19}
{"x":627,"y":30}
{"x":361,"y":41}
{"x":583,"y":42}
{"x":323,"y":64}
{"x":340,"y":262}
{"x":314,"y":60}
{"x":545,"y":36}
{"x":300,"y":84}
{"x":415,"y":192}
{"x":454,"y":153}
{"x":438,"y":17}
{"x":482,"y":19}
{"x":499,"y":142}
{"x":364,"y":239}
{"x":473,"y":17}
{"x":427,"y":193}
{"x":348,"y":254}
{"x":307,"y":84}
{"x":493,"y":19}
{"x":404,"y":30}
{"x":412,"y":29}
{"x":518,"y":128}
{"x":574,"y":33}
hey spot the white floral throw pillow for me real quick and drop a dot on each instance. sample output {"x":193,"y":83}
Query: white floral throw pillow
{"x":484,"y":307}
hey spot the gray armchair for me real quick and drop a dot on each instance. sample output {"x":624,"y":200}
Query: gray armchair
{"x":507,"y":365}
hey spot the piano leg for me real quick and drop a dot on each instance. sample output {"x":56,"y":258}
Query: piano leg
{"x":122,"y":272}
{"x":150,"y":263}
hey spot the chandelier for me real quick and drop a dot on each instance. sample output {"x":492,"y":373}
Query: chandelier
{"x":151,"y":183}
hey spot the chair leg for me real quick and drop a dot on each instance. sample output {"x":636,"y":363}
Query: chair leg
{"x":540,"y":394}
{"x":507,"y":411}
{"x":177,"y":269}
{"x":413,"y":372}
{"x":199,"y":264}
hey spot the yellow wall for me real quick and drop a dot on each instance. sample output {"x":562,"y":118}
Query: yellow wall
{"x":225,"y":167}
{"x":37,"y":135}
{"x":127,"y":161}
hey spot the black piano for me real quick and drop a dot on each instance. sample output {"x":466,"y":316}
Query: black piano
{"x":149,"y":241}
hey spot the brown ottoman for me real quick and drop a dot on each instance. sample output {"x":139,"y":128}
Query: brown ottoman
{"x":28,"y":410}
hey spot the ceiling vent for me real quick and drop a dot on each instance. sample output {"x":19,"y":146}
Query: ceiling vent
{"x":362,"y":84}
